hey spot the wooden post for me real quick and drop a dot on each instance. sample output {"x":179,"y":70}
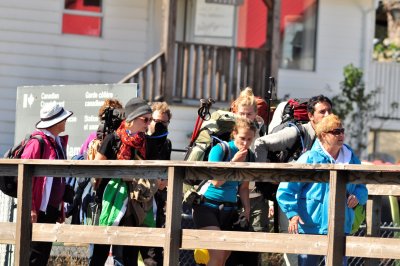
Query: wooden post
{"x":173,"y":231}
{"x":23,"y":227}
{"x":337,"y":201}
{"x":373,"y":221}
{"x":273,"y":42}
{"x":169,"y":46}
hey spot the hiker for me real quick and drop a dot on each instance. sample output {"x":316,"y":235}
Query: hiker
{"x":108,"y":103}
{"x":306,"y":205}
{"x":119,"y":205}
{"x":246,"y":105}
{"x":218,"y":207}
{"x":47,"y":192}
{"x":158,"y":147}
{"x":317,"y":108}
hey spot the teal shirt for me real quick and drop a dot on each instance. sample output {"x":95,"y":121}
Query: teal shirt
{"x":228,"y":191}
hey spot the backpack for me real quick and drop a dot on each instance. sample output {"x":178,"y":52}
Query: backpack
{"x":9,"y":184}
{"x":80,"y":187}
{"x":213,"y":131}
{"x":217,"y":129}
{"x":294,"y":115}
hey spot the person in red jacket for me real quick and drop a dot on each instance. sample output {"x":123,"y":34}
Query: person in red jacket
{"x":47,"y":192}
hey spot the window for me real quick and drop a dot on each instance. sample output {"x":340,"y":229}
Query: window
{"x":298,"y":25}
{"x":83,"y":17}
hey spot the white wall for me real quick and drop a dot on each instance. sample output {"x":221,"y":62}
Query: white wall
{"x":33,"y":51}
{"x":343,"y":37}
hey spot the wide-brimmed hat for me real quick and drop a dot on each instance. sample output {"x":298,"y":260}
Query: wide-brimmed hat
{"x":52,"y":114}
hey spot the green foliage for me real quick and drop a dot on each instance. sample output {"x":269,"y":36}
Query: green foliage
{"x":355,"y":107}
{"x":386,"y":51}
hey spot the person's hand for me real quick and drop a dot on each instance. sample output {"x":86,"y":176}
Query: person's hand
{"x":294,"y":224}
{"x":246,"y":213}
{"x":61,"y":219}
{"x":352,"y":201}
{"x":270,"y":212}
{"x":33,"y":217}
{"x":240,"y":156}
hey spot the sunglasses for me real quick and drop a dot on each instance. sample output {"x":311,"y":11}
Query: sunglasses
{"x":336,"y":131}
{"x":146,"y":119}
{"x":161,"y":121}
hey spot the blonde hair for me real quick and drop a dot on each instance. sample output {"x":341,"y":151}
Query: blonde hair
{"x":246,"y":98}
{"x":328,"y":123}
{"x":162,"y":107}
{"x":242,"y":122}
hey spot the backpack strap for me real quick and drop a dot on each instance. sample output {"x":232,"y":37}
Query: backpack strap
{"x":300,"y":133}
{"x":227,"y":152}
{"x":41,"y":144}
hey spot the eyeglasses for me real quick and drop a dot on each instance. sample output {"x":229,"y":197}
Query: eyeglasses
{"x":161,"y":121}
{"x":336,"y":131}
{"x":146,"y":119}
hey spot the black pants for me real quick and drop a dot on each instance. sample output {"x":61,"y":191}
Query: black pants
{"x":40,"y":251}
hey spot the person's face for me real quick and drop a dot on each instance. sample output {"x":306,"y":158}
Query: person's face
{"x":243,"y":138}
{"x":247,"y":111}
{"x":321,"y":110}
{"x":158,"y":117}
{"x":58,"y":128}
{"x":334,"y":137}
{"x":139,"y":124}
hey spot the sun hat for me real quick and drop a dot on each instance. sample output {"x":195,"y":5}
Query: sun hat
{"x":52,"y":114}
{"x":136,"y":107}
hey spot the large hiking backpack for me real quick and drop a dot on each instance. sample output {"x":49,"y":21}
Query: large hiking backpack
{"x":294,"y":114}
{"x":9,"y":184}
{"x":213,"y":131}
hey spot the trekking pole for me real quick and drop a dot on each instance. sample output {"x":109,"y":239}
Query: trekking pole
{"x":268,"y":99}
{"x":203,"y":113}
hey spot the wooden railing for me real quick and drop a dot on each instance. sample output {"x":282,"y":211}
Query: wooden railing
{"x":203,"y":71}
{"x":172,"y":238}
{"x":218,"y":72}
{"x":150,"y":77}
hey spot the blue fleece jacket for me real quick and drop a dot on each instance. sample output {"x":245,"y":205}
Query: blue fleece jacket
{"x":311,"y":200}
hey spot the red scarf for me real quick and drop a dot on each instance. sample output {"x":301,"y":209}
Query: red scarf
{"x":136,"y":141}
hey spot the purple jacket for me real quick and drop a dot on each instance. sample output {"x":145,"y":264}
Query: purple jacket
{"x":32,"y":151}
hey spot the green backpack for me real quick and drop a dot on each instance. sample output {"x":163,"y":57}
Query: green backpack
{"x":213,"y":131}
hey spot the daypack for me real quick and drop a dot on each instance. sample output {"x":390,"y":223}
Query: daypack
{"x":213,"y":131}
{"x":9,"y":184}
{"x":81,"y":187}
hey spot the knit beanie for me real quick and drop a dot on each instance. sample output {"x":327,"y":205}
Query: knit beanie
{"x":136,"y":107}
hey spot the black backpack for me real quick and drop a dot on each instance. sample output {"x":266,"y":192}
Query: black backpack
{"x":294,"y":115}
{"x":9,"y":184}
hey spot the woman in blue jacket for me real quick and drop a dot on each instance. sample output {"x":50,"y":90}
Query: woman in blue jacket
{"x":306,"y":205}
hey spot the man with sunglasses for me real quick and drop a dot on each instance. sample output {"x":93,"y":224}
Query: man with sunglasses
{"x":284,"y":140}
{"x":158,"y":148}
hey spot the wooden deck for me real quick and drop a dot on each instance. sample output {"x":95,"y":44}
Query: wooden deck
{"x":334,"y":245}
